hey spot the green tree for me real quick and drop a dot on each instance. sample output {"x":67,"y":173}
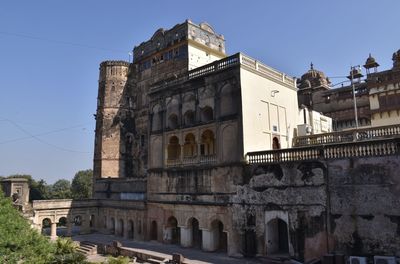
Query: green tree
{"x":81,"y":186}
{"x":18,"y":241}
{"x":61,"y":189}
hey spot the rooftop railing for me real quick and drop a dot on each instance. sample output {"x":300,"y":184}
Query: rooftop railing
{"x":237,"y":59}
{"x":379,"y":147}
{"x":348,"y":136}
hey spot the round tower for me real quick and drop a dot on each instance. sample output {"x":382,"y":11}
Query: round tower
{"x":112,"y":100}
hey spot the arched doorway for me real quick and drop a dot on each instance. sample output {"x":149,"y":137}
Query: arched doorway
{"x":131,"y":230}
{"x":112,"y":226}
{"x":173,"y":231}
{"x":120,"y":227}
{"x":46,"y":226}
{"x":207,"y":143}
{"x":206,"y":114}
{"x":173,"y":122}
{"x":62,"y":226}
{"x":153,"y":231}
{"x":188,"y":118}
{"x":275,"y":143}
{"x":197,"y":235}
{"x":277,"y":237}
{"x":220,"y":237}
{"x":190,"y":146}
{"x":173,"y":148}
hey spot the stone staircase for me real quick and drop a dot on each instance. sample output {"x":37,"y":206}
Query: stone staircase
{"x":87,"y":248}
{"x":154,"y":260}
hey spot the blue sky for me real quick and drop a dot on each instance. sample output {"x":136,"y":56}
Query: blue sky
{"x":50,"y":53}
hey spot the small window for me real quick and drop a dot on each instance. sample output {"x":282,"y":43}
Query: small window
{"x":275,"y":128}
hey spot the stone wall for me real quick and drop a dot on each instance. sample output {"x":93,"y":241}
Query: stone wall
{"x":348,"y":205}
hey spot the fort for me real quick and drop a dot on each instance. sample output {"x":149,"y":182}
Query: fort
{"x":224,"y":153}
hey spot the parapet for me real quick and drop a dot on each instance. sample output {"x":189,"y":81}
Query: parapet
{"x":113,"y":69}
{"x":114,"y":63}
{"x":202,"y":34}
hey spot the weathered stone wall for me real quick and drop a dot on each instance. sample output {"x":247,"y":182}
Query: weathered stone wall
{"x":299,"y":191}
{"x":349,"y":205}
{"x":365,"y":205}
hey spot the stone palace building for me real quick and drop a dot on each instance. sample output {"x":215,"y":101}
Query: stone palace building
{"x":205,"y":150}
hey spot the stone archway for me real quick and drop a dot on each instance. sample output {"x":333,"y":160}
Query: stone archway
{"x":215,"y":239}
{"x":153,"y":231}
{"x":62,"y":226}
{"x":131,"y":229}
{"x":172,"y":232}
{"x":46,"y":226}
{"x":197,"y":236}
{"x":277,"y":237}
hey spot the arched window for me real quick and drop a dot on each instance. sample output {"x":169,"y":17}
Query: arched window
{"x":173,"y":121}
{"x":156,"y":121}
{"x":227,"y":102}
{"x":174,"y":149}
{"x":207,"y":143}
{"x":188,"y":118}
{"x":190,"y":146}
{"x":207,"y":114}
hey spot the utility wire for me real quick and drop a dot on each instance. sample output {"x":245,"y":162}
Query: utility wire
{"x":38,"y":135}
{"x":59,"y":41}
{"x":42,"y":141}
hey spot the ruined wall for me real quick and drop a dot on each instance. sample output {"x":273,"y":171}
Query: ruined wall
{"x":365,"y":205}
{"x":296,"y":190}
{"x":348,"y":205}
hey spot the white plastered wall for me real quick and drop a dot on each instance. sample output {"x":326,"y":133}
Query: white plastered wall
{"x":269,"y":109}
{"x":198,"y":57}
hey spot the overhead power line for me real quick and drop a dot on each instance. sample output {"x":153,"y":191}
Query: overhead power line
{"x":30,"y":135}
{"x":41,"y":134}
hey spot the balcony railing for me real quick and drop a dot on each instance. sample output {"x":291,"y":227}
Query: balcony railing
{"x":348,"y":136}
{"x":236,"y":59}
{"x":379,"y":147}
{"x":190,"y":161}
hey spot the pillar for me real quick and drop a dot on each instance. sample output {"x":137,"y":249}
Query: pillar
{"x":167,"y":235}
{"x":210,"y":240}
{"x":126,"y":229}
{"x":186,"y":237}
{"x":53,"y":232}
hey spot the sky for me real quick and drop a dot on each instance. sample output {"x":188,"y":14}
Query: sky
{"x":50,"y":53}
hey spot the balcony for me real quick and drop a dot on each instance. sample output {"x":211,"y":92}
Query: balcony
{"x":355,"y":135}
{"x":192,"y":161}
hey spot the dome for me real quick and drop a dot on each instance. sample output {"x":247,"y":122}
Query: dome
{"x":313,"y":78}
{"x":370,"y":62}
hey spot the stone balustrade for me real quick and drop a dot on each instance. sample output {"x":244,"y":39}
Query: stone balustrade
{"x":348,"y":136}
{"x":236,"y":59}
{"x":378,"y":147}
{"x":189,"y":161}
